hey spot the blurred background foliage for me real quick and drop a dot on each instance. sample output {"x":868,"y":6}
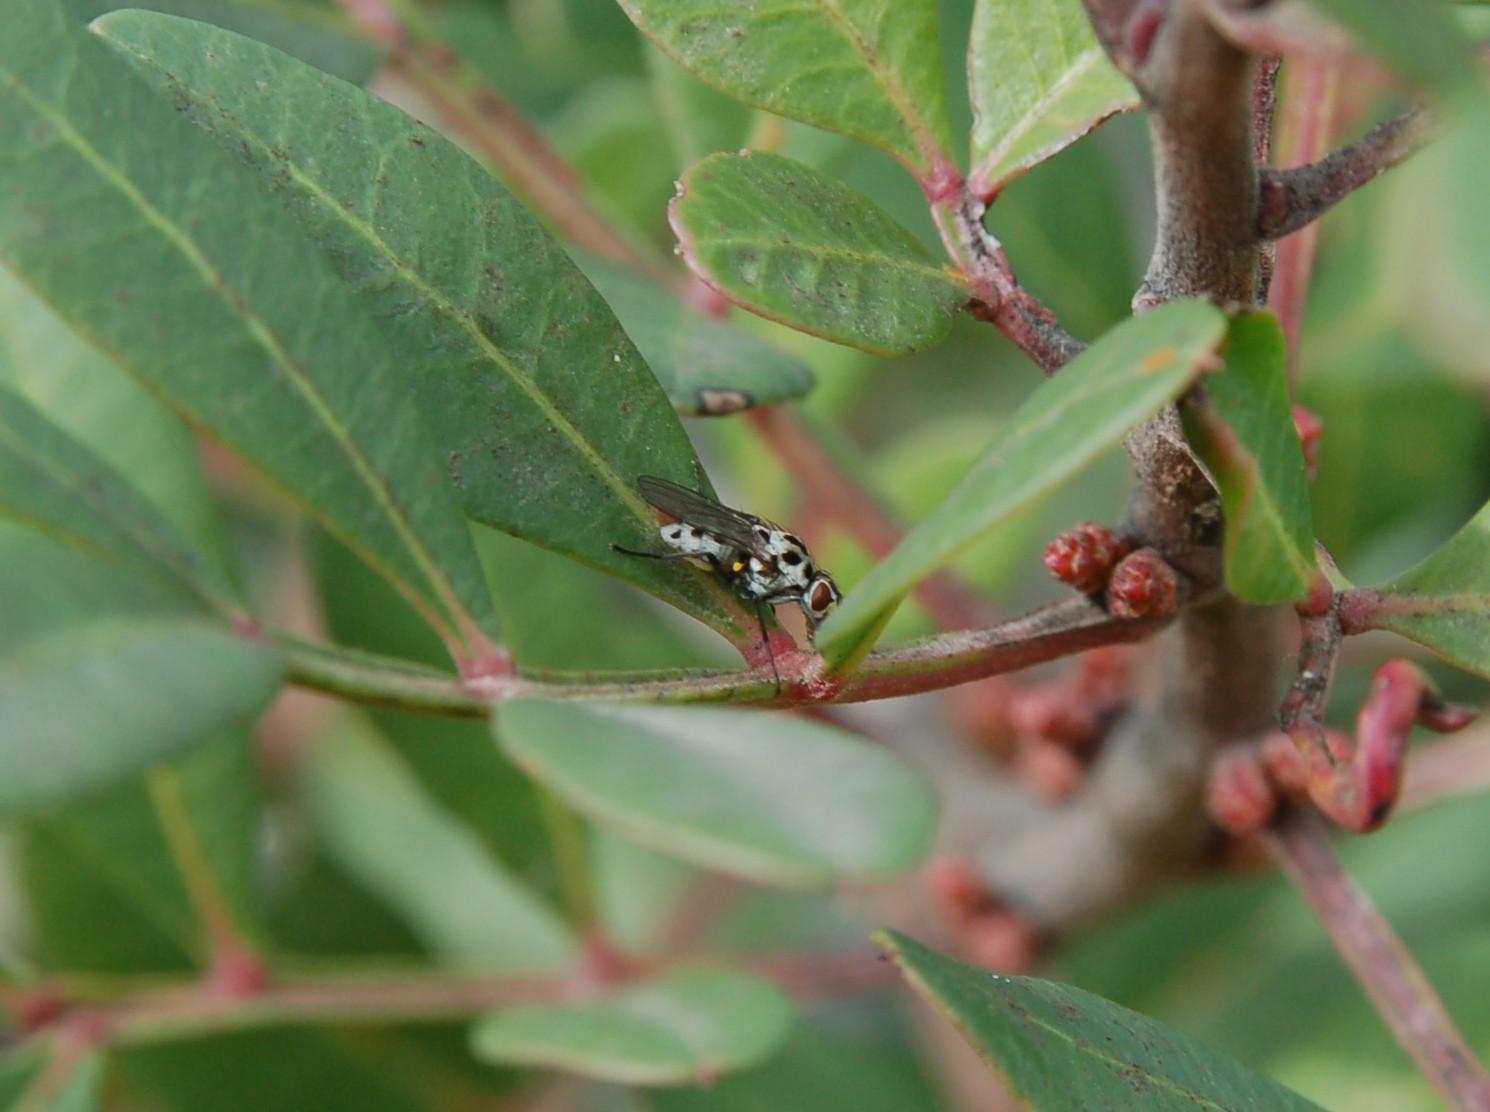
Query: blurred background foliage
{"x":1235,"y":960}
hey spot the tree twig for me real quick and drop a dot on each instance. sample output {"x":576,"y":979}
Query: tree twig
{"x":932,"y":664}
{"x":1293,"y":198}
{"x":999,"y":299}
{"x":1407,"y":1003}
{"x":1309,"y":114}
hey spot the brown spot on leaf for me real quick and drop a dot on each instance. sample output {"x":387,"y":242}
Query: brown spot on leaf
{"x":1157,"y":360}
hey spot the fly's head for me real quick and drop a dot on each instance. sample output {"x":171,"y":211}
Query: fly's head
{"x":818,"y":599}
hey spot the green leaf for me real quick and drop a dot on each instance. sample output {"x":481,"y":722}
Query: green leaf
{"x":105,"y":859}
{"x":1055,"y":1047}
{"x":778,"y":799}
{"x":96,"y":402}
{"x":18,"y":1066}
{"x":1444,"y":601}
{"x":80,"y":1090}
{"x":777,"y":237}
{"x":1090,"y":405}
{"x":707,"y":367}
{"x":1419,"y":40}
{"x":686,"y":1026}
{"x":317,"y":35}
{"x":114,"y":698}
{"x":151,"y":243}
{"x":98,"y":679}
{"x":1039,"y":82}
{"x":383,"y":828}
{"x":871,"y":1065}
{"x":57,"y":485}
{"x":541,"y":407}
{"x":1247,"y":439}
{"x":871,"y":69}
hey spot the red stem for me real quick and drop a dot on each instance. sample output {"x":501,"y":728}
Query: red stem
{"x":1407,"y":1003}
{"x":1309,"y":106}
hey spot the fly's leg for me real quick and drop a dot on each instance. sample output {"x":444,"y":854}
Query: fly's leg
{"x":760,"y":617}
{"x":654,"y":555}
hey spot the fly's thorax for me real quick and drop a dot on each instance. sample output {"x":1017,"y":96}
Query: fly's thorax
{"x":760,"y":561}
{"x":779,"y":575}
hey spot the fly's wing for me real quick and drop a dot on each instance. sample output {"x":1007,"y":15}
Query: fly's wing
{"x":679,"y":502}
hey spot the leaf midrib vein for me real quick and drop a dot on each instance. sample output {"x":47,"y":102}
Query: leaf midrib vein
{"x":918,"y":126}
{"x":257,"y":328}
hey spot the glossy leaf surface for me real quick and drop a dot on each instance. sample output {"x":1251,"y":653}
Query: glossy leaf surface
{"x":1090,"y":405}
{"x":687,"y":1026}
{"x":787,"y":242}
{"x":778,"y":799}
{"x":261,"y":346}
{"x":867,"y":68}
{"x":1247,"y":439}
{"x":384,"y":829}
{"x":1039,"y":82}
{"x":1056,"y":1047}
{"x":541,"y":408}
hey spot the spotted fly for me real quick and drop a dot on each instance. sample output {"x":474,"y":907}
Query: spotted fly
{"x":761,"y":562}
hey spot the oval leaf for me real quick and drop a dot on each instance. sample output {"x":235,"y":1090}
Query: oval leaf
{"x":264,"y":348}
{"x":777,"y":237}
{"x":1247,"y":438}
{"x":97,"y":700}
{"x":689,"y":1026}
{"x":777,"y":799}
{"x":541,"y":407}
{"x":1123,"y":379}
{"x":1056,"y":1048}
{"x":383,"y":828}
{"x":870,"y":70}
{"x":707,"y":367}
{"x":1444,"y":601}
{"x":1039,"y":81}
{"x":57,"y":485}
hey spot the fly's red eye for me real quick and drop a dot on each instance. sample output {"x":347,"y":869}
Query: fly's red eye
{"x":820,"y":597}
